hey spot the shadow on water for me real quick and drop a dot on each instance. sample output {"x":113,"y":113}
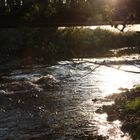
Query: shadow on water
{"x":63,"y":110}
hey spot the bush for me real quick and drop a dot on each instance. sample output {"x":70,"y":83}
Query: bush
{"x":57,"y":43}
{"x":133,"y":105}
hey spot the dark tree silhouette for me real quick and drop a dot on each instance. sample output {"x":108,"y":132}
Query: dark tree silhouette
{"x":68,"y":12}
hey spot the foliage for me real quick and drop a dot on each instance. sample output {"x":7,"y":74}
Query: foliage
{"x":133,"y":105}
{"x":127,"y":110}
{"x":132,"y":108}
{"x":51,"y":44}
{"x":32,"y":11}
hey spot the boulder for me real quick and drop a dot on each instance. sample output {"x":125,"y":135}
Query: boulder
{"x":22,"y":86}
{"x":47,"y":81}
{"x":2,"y":92}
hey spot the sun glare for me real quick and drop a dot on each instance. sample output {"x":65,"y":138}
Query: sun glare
{"x":113,"y":81}
{"x":114,"y":1}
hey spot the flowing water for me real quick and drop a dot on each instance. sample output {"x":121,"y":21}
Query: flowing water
{"x":67,"y":111}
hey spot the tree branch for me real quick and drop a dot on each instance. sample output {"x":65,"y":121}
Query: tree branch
{"x":107,"y":65}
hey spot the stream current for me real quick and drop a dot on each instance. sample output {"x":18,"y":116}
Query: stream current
{"x":67,"y":111}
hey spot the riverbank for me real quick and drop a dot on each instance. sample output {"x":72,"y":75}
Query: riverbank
{"x":48,"y":45}
{"x":127,"y":109}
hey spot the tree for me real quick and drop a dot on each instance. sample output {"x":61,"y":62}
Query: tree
{"x":69,"y":11}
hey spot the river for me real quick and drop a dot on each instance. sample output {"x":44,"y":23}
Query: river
{"x":132,"y":28}
{"x":69,"y":110}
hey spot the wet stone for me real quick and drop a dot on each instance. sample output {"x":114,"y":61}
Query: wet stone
{"x":22,"y":86}
{"x":48,"y":81}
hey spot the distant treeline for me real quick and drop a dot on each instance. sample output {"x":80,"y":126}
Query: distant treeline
{"x":51,"y":44}
{"x":38,"y":13}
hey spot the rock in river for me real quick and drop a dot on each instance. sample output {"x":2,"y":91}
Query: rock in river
{"x":2,"y":92}
{"x":22,"y":86}
{"x":47,"y":81}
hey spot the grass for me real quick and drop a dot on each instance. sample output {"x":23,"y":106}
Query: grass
{"x":133,"y":105}
{"x":129,"y":103}
{"x":57,"y":44}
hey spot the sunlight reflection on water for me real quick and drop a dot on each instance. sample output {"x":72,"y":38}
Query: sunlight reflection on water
{"x":113,"y":80}
{"x":110,"y":129}
{"x":109,"y":80}
{"x":79,"y":99}
{"x":135,"y":27}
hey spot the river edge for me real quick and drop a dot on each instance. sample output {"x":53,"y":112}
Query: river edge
{"x":108,"y":97}
{"x":126,"y":108}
